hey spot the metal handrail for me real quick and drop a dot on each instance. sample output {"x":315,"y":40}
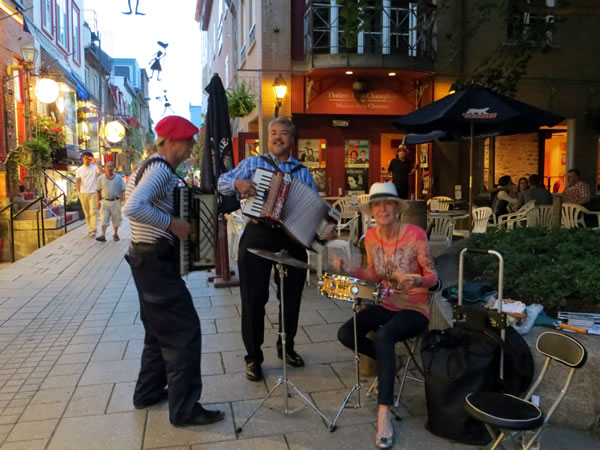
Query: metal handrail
{"x":69,"y":179}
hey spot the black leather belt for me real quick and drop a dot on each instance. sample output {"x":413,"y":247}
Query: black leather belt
{"x":111,"y":199}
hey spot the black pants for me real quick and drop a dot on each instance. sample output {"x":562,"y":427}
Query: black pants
{"x":255,"y":273}
{"x":390,"y":327}
{"x":172,"y":341}
{"x":402,"y":189}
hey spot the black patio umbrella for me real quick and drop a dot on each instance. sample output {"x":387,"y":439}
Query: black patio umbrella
{"x":218,"y":159}
{"x":476,"y":112}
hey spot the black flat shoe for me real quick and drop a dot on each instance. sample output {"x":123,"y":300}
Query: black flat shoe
{"x":254,"y":371}
{"x":164,"y":395}
{"x":293,"y":358}
{"x":201,"y":417}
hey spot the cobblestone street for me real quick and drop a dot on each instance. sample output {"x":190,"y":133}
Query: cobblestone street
{"x":71,"y":339}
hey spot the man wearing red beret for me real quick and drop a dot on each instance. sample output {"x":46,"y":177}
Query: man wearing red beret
{"x":172,"y":342}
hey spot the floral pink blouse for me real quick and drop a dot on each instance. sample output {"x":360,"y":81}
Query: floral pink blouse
{"x":408,"y":254}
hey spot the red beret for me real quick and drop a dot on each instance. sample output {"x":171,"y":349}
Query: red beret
{"x":176,"y":128}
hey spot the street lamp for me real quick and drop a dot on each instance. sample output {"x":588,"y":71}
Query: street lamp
{"x":280,"y":89}
{"x":47,"y":90}
{"x":114,"y":131}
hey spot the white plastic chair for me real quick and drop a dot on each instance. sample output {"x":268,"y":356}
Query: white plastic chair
{"x":236,"y":222}
{"x":442,"y":229}
{"x":481,"y":219}
{"x":363,"y":198}
{"x":572,"y":216}
{"x":439,"y":203}
{"x":348,"y":210}
{"x":540,"y":216}
{"x":516,"y":219}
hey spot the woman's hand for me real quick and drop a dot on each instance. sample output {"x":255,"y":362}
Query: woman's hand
{"x":339,"y":265}
{"x":406,"y":282}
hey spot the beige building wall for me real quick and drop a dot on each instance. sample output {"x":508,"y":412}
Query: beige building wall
{"x":516,"y":156}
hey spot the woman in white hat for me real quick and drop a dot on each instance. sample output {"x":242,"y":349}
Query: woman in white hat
{"x":399,"y":258}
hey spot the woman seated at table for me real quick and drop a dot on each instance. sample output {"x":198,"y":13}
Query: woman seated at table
{"x":399,"y":258}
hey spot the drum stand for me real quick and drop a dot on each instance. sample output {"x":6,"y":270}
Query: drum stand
{"x":283,"y":380}
{"x":357,"y":386}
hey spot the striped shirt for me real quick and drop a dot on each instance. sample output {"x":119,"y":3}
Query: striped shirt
{"x":150,"y":204}
{"x":246,"y":168}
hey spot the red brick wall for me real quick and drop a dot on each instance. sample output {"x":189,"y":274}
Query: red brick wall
{"x":516,"y":156}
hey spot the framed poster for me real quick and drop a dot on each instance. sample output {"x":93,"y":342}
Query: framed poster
{"x":357,"y":180}
{"x":310,"y":152}
{"x":357,"y":152}
{"x":320,"y":178}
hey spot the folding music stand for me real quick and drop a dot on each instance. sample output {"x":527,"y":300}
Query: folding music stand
{"x":282,"y":257}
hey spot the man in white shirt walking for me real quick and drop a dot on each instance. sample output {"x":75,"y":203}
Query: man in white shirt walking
{"x":111,"y":190}
{"x":86,"y":177}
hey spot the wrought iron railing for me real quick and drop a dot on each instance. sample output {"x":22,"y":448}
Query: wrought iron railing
{"x":399,"y":28}
{"x":252,"y":37}
{"x":526,"y":28}
{"x":243,"y":54}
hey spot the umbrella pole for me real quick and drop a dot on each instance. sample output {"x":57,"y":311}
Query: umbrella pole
{"x":471,"y":178}
{"x":224,"y":276}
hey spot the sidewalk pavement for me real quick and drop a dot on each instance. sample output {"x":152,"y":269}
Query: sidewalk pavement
{"x":70,"y":345}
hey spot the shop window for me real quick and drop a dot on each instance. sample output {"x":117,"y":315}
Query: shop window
{"x":48,"y":17}
{"x":357,"y":166}
{"x":311,"y":153}
{"x":555,"y":161}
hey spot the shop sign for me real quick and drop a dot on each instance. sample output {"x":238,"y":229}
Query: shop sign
{"x":342,"y":99}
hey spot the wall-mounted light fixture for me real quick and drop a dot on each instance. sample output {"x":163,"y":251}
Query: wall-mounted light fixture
{"x":47,"y":90}
{"x":280,"y":89}
{"x":29,"y":54}
{"x":114,"y":131}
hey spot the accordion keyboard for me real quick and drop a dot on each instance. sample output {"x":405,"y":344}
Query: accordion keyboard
{"x":254,"y":205}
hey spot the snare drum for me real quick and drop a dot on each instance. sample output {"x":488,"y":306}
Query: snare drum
{"x":349,"y":289}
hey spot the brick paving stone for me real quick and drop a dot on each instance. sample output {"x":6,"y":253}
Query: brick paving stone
{"x":32,"y":430}
{"x":103,"y":372}
{"x":160,"y":433}
{"x":43,"y":412}
{"x":275,"y":442}
{"x":100,"y":432}
{"x":37,"y":444}
{"x":89,"y":400}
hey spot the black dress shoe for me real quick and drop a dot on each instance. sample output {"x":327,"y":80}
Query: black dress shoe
{"x":164,"y":395}
{"x":293,"y":358}
{"x":201,"y":416}
{"x":254,"y":371}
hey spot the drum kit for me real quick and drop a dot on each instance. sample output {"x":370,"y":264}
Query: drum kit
{"x":339,"y":287}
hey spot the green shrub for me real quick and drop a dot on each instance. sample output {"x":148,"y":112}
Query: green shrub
{"x":557,"y":268}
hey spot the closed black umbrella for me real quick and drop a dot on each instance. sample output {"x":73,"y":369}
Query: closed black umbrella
{"x":218,"y":159}
{"x":476,"y":112}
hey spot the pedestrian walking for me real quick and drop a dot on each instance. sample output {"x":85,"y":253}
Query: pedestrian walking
{"x":86,"y":177}
{"x":172,"y":342}
{"x":110,"y":195}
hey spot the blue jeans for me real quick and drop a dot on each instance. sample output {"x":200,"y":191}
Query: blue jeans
{"x":390,"y":327}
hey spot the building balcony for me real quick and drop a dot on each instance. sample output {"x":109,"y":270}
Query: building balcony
{"x":394,"y":34}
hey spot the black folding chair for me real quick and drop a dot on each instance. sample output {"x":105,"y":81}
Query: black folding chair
{"x":517,"y":415}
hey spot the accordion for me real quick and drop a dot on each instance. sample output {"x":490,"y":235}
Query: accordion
{"x":198,"y":252}
{"x":281,"y":199}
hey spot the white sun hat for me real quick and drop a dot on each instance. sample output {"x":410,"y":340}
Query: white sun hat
{"x":383,"y":191}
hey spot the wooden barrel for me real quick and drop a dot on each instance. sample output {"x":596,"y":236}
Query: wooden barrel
{"x":416,"y":214}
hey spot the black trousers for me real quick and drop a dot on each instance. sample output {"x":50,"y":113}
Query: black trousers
{"x":402,"y":189}
{"x":255,"y":274}
{"x":390,"y":327}
{"x":172,"y":341}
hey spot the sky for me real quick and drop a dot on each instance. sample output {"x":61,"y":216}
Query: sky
{"x":136,"y":36}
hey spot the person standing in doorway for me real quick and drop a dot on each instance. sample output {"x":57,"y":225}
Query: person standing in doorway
{"x":86,"y":178}
{"x":401,"y":168}
{"x":111,"y":190}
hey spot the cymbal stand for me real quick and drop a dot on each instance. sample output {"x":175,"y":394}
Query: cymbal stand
{"x":283,"y":380}
{"x":357,"y":386}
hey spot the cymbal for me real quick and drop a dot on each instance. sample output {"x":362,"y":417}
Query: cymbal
{"x":282,"y":257}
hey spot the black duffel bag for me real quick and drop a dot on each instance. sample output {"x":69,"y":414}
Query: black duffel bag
{"x":458,"y":361}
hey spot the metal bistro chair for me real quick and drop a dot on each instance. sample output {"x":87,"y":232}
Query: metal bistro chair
{"x":411,"y":346}
{"x":504,"y":411}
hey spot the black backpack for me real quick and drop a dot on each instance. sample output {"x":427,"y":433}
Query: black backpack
{"x":458,"y":361}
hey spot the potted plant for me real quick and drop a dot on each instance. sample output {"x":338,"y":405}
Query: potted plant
{"x":240,"y":100}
